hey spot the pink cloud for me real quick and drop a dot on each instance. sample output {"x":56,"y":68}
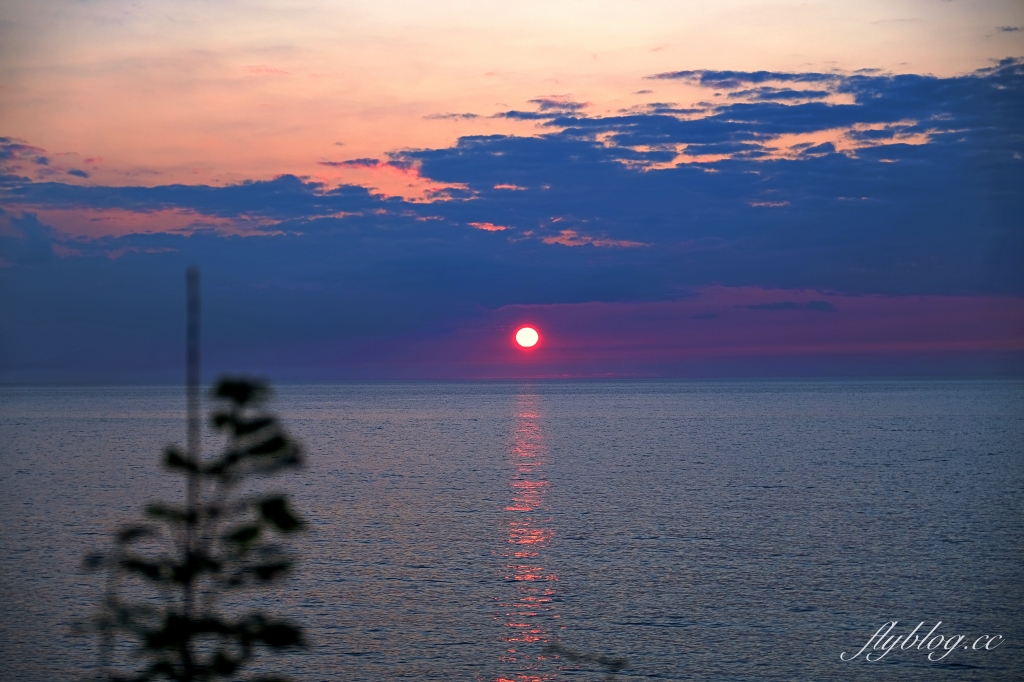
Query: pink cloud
{"x":388,"y":179}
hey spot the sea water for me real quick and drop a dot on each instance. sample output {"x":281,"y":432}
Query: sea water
{"x":702,"y":530}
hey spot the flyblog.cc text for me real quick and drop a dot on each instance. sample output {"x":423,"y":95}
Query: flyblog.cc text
{"x":938,"y":646}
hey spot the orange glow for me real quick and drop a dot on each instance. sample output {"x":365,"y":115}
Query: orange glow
{"x":168,"y":97}
{"x":527,"y":337}
{"x":527,"y":614}
{"x":384,"y":179}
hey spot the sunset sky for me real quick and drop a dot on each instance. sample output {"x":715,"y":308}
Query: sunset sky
{"x":387,"y":190}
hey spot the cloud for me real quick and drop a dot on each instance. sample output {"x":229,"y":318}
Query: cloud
{"x":721,"y":330}
{"x":23,"y":240}
{"x":527,"y":115}
{"x":914,"y":186}
{"x":769,"y":94}
{"x":819,"y":306}
{"x":1008,"y":29}
{"x":352,"y":163}
{"x":548,"y":108}
{"x":18,"y":157}
{"x":735,"y":79}
{"x":727,"y":148}
{"x":667,"y":108}
{"x":823,"y":148}
{"x":784,"y":305}
{"x":450,"y":116}
{"x":561,"y":103}
{"x":573,"y":238}
{"x":285,"y":197}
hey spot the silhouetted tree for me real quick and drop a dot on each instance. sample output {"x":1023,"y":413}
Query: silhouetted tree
{"x":169,"y":605}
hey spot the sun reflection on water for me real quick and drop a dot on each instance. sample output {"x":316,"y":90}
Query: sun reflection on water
{"x":529,"y":614}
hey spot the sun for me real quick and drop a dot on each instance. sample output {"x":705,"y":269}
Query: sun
{"x":527,"y":337}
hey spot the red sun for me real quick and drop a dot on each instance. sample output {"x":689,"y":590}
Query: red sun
{"x":527,"y":337}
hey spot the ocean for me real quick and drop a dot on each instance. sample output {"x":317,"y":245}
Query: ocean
{"x":701,"y":530}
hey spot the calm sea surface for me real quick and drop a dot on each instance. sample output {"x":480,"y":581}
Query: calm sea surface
{"x":734,"y":530}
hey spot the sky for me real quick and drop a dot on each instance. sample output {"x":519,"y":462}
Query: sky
{"x":388,"y":190}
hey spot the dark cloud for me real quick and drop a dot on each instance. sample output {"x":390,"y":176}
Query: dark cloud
{"x":819,"y":306}
{"x":735,"y":79}
{"x":283,"y":198}
{"x":770,"y":94}
{"x":14,"y":153}
{"x":940,"y":216}
{"x":873,"y":135}
{"x":738,"y":122}
{"x":526,"y":115}
{"x":352,"y":163}
{"x":78,"y":173}
{"x":823,"y":148}
{"x":11,"y":148}
{"x":562,"y":104}
{"x":450,"y":116}
{"x":670,"y":108}
{"x":548,"y":108}
{"x":784,"y":305}
{"x":1008,"y":29}
{"x":722,"y":148}
{"x":398,"y":162}
{"x":23,"y":240}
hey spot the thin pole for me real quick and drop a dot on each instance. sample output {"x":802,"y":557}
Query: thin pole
{"x":192,"y":376}
{"x":192,"y":491}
